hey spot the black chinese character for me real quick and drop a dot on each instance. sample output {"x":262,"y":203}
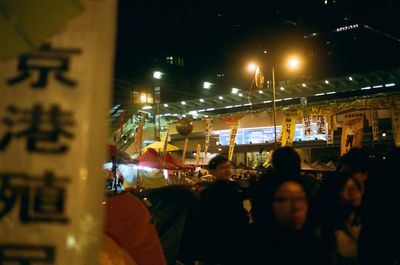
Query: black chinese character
{"x":41,"y":199}
{"x":45,"y":60}
{"x":26,"y":254}
{"x":43,"y":127}
{"x":8,"y":194}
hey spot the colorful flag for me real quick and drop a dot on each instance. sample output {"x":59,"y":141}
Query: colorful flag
{"x":352,"y":131}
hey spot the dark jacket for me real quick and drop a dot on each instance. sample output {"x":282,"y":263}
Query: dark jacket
{"x":275,"y":245}
{"x":223,"y":224}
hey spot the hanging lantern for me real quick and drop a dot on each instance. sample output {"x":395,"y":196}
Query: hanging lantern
{"x":184,"y":126}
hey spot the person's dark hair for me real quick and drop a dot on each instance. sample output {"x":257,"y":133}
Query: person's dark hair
{"x":356,"y":159}
{"x":332,"y":212}
{"x":216,"y":161}
{"x":286,"y":161}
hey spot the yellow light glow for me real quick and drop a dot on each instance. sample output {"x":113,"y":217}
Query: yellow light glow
{"x":294,"y":63}
{"x":252,"y":67}
{"x":143,"y":98}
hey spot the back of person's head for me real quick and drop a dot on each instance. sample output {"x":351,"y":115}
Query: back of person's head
{"x":286,"y":161}
{"x":356,"y":160}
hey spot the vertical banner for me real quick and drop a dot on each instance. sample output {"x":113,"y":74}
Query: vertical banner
{"x":198,"y":154}
{"x":332,"y":124}
{"x":288,"y":128}
{"x":396,"y":126}
{"x":352,"y":131}
{"x":232,"y":138}
{"x":54,"y":107}
{"x":164,"y":139}
{"x":375,"y":125}
{"x":209,"y":126}
{"x":139,"y":132}
{"x":321,"y":124}
{"x":329,"y":138}
{"x":307,"y":123}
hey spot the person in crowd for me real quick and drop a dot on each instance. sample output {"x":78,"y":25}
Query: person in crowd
{"x":281,"y":233}
{"x":380,"y":234}
{"x":341,"y":221}
{"x":223,"y":217}
{"x":356,"y":163}
{"x":286,"y":161}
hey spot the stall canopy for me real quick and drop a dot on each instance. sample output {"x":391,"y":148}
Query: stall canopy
{"x":176,"y":162}
{"x":160,"y":147}
{"x":151,"y":159}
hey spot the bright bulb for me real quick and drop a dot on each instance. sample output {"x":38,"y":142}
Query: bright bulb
{"x":293,"y":63}
{"x":235,"y":90}
{"x":207,"y":85}
{"x":252,"y":67}
{"x":143,"y":98}
{"x":157,"y":75}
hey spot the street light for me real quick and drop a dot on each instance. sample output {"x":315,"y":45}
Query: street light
{"x":157,"y":75}
{"x":293,"y":63}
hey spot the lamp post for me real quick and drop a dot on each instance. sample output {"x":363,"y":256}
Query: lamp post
{"x":274,"y":106}
{"x":293,"y":63}
{"x":157,"y":75}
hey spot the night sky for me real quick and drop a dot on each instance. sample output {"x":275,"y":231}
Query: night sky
{"x":222,"y":36}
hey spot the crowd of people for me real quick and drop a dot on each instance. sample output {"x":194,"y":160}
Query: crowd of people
{"x":282,"y":218}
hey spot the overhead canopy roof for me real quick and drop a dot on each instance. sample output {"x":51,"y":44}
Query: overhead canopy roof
{"x":332,"y":89}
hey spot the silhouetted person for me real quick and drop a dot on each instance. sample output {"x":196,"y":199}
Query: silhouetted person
{"x":223,"y":218}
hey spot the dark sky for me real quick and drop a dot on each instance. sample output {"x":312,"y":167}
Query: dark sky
{"x":221,"y":36}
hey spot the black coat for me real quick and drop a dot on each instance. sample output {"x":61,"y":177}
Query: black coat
{"x":223,"y":224}
{"x":275,"y":245}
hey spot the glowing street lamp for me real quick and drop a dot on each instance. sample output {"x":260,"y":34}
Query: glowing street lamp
{"x":293,"y":63}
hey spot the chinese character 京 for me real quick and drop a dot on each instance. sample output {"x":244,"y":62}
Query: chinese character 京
{"x":45,"y":60}
{"x":42,"y":127}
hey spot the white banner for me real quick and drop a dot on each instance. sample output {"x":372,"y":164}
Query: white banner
{"x":54,"y":108}
{"x":307,"y":123}
{"x":321,"y":124}
{"x":375,"y":125}
{"x":329,"y":138}
{"x":396,"y":126}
